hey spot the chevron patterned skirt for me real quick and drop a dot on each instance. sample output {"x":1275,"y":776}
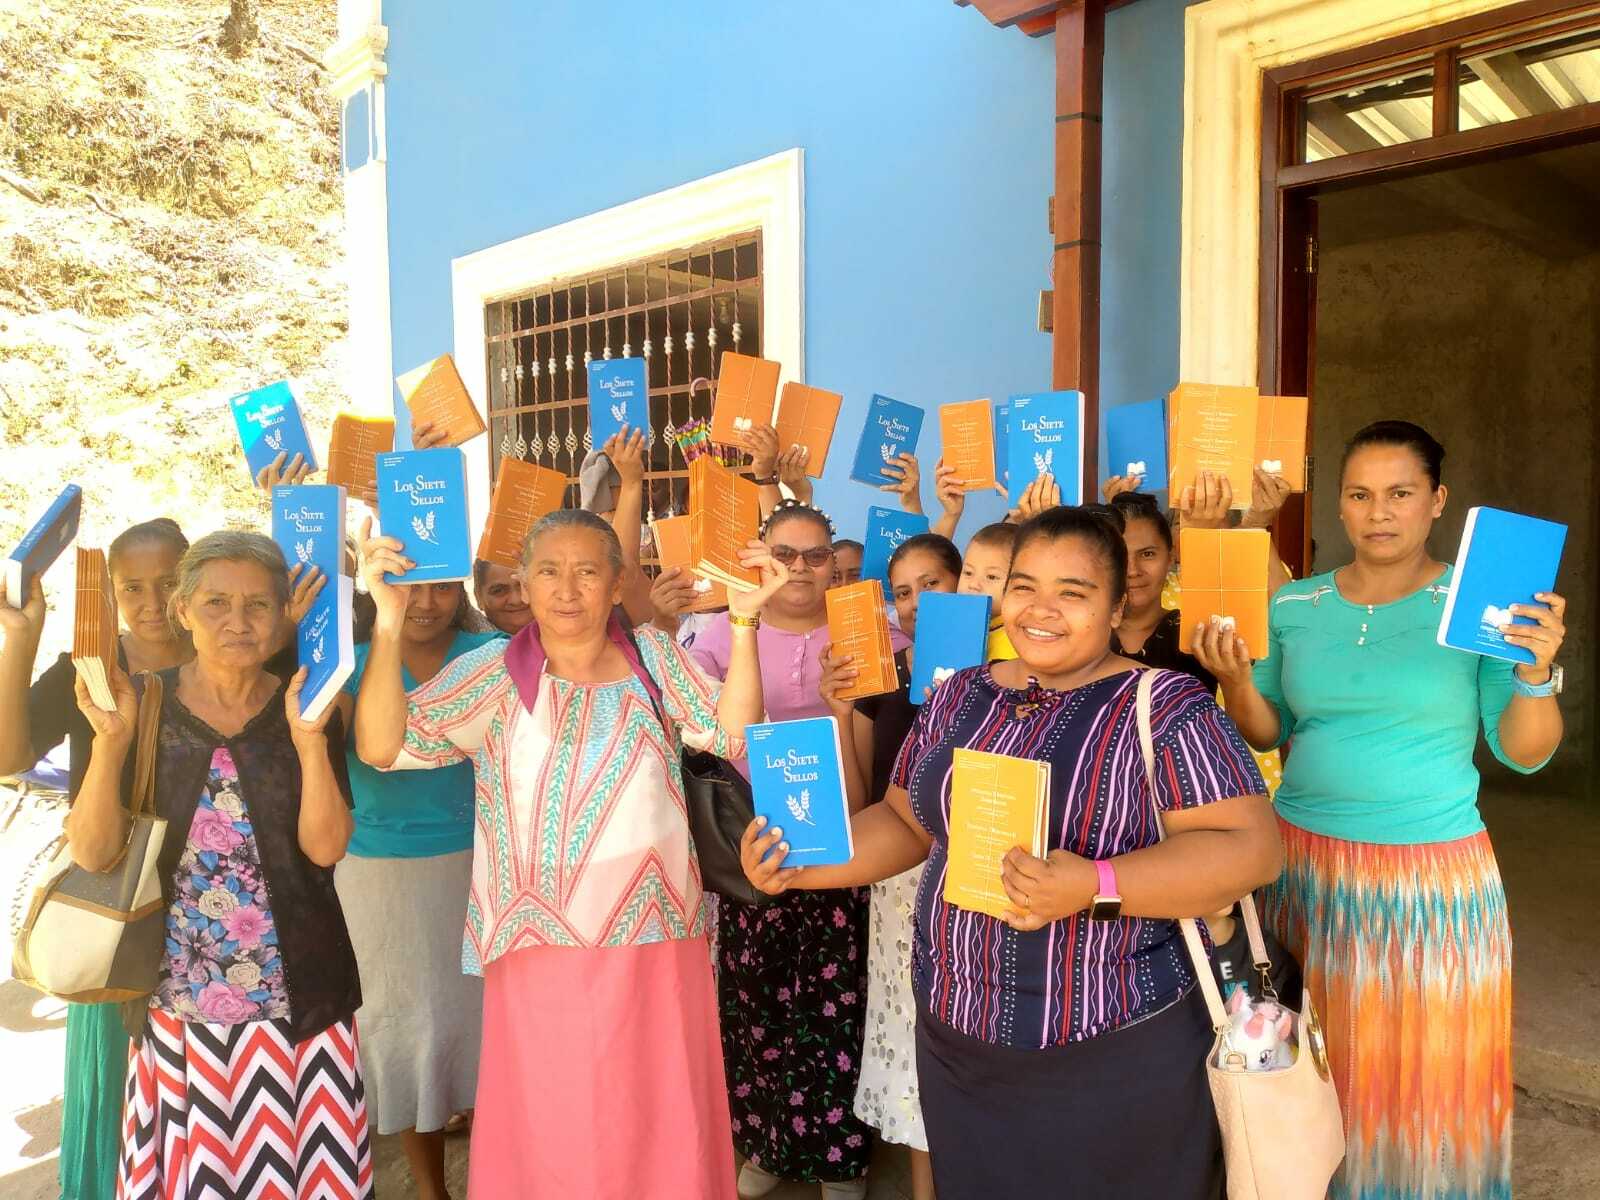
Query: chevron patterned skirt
{"x":243,"y":1112}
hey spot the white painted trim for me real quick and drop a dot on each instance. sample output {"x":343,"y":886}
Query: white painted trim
{"x":768,"y":194}
{"x":1228,"y":45}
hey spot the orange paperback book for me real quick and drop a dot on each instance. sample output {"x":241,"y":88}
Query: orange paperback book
{"x":1281,"y":423}
{"x":858,"y":626}
{"x":746,"y":388}
{"x":806,"y":417}
{"x":724,"y":514}
{"x":1213,"y":429}
{"x":523,"y":493}
{"x":996,"y":802}
{"x":673,"y":550}
{"x":353,"y":453}
{"x":966,"y":430}
{"x":94,"y":628}
{"x":1223,"y":573}
{"x":436,"y":396}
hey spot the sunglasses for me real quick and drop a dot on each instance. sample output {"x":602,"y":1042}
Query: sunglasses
{"x":816,"y":556}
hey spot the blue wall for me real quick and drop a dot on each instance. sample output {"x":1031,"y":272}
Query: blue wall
{"x":929,"y":154}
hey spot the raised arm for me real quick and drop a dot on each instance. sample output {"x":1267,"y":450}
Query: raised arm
{"x":21,"y":628}
{"x":1224,"y":654}
{"x":740,"y":702}
{"x":952,"y":500}
{"x":1529,"y":728}
{"x":325,"y":821}
{"x":381,"y":703}
{"x":97,"y":825}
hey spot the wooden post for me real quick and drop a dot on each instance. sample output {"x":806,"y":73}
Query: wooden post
{"x":1075,"y":357}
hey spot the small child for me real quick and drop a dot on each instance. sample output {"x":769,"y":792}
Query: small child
{"x":983,"y":573}
{"x":1231,"y":960}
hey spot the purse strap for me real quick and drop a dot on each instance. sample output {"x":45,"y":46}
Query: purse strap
{"x":144,"y":754}
{"x":1198,"y":957}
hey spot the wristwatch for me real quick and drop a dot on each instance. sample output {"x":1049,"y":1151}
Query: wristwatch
{"x":1107,"y":902}
{"x":1550,"y":687}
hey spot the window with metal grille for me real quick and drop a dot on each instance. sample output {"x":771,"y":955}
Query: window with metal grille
{"x":678,"y":311}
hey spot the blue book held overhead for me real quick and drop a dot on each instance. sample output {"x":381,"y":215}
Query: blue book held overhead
{"x":269,"y":425}
{"x":887,"y":530}
{"x":1045,"y":435}
{"x":892,"y":429}
{"x":952,"y":633}
{"x":1505,"y":559}
{"x":422,"y":500}
{"x":1136,"y":442}
{"x":308,"y":525}
{"x":43,"y":544}
{"x":797,"y":782}
{"x":619,"y":394}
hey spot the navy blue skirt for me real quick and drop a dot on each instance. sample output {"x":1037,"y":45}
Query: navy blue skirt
{"x":1123,"y":1116}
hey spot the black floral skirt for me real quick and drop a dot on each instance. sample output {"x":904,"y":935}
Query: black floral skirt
{"x":793,"y":995}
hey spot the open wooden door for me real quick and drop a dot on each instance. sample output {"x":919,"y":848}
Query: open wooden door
{"x":1289,"y":369}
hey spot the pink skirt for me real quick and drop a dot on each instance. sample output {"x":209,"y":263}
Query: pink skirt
{"x":601,"y":1077}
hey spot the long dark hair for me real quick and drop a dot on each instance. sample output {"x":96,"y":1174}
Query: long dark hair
{"x":1102,"y":532}
{"x":935,"y":544}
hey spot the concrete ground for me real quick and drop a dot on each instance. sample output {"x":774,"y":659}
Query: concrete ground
{"x":1549,"y":851}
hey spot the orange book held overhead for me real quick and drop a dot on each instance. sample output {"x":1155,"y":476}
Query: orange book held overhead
{"x":523,"y":493}
{"x":94,"y":628}
{"x":353,"y":452}
{"x":858,"y":627}
{"x":1223,"y":573}
{"x":1213,"y":429}
{"x":996,"y":803}
{"x":724,"y":514}
{"x":1281,"y":423}
{"x":966,"y":430}
{"x":746,"y":388}
{"x":673,"y":550}
{"x":436,"y":396}
{"x":806,"y":417}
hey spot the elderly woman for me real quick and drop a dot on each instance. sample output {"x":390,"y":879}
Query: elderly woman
{"x":601,"y":1070}
{"x":245,"y":1078}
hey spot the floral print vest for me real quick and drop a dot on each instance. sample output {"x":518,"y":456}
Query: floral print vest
{"x":222,"y":964}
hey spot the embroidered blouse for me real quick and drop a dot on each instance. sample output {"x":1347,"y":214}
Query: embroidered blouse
{"x":1074,"y":979}
{"x":581,"y":835}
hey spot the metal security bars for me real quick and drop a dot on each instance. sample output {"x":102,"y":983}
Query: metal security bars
{"x":678,"y":311}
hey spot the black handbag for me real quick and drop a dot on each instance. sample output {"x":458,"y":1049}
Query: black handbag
{"x":720,"y":810}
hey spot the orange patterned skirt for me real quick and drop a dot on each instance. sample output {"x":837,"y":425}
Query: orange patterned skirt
{"x":1407,"y":952}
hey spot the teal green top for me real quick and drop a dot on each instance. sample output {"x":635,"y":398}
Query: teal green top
{"x":1384,"y":719}
{"x":411,"y":814}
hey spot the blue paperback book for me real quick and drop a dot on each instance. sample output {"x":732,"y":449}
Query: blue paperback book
{"x":887,"y":528}
{"x":1001,"y":410}
{"x":1136,"y":442}
{"x":269,"y":425}
{"x":1045,"y":434}
{"x":892,"y":429}
{"x":619,"y":395}
{"x":43,"y":544}
{"x":952,"y":633}
{"x":422,"y":500}
{"x":797,"y":778}
{"x":1505,"y":559}
{"x":308,"y":525}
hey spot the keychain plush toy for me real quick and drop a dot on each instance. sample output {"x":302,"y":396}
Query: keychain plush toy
{"x":1260,"y":1034}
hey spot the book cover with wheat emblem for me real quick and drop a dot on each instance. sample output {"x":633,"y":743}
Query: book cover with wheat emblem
{"x":1223,"y":573}
{"x":673,"y":550}
{"x":887,"y":530}
{"x":724,"y":515}
{"x":746,"y":389}
{"x":797,"y":782}
{"x":523,"y":492}
{"x":353,"y":451}
{"x":1213,"y":428}
{"x":422,"y":501}
{"x":858,"y":628}
{"x":996,"y":803}
{"x":1281,"y":423}
{"x":806,"y":417}
{"x":436,"y":396}
{"x":94,"y":627}
{"x":619,"y":394}
{"x":308,"y":525}
{"x":1044,"y":436}
{"x":966,"y":433}
{"x":892,"y":429}
{"x":270,"y":424}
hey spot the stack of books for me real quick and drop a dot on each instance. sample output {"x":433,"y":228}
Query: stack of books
{"x":724,"y":515}
{"x":858,"y":627}
{"x":94,"y":628}
{"x":672,"y":537}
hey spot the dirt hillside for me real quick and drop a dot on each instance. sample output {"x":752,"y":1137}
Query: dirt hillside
{"x":170,"y":224}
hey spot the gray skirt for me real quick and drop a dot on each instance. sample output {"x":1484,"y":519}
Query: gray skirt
{"x":421,"y":1020}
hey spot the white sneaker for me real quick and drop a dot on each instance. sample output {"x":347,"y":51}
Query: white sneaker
{"x":854,"y":1189}
{"x":754,"y":1182}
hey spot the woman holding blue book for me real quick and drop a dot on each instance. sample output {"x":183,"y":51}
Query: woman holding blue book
{"x":1390,"y":895}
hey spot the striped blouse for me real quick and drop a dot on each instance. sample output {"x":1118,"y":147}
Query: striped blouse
{"x":1074,"y":979}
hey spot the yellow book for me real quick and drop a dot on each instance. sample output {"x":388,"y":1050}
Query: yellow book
{"x":1223,"y":573}
{"x":996,"y":803}
{"x":724,"y":514}
{"x":1213,"y":429}
{"x":858,"y":627}
{"x":1281,"y":437}
{"x":966,"y":430}
{"x":436,"y":396}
